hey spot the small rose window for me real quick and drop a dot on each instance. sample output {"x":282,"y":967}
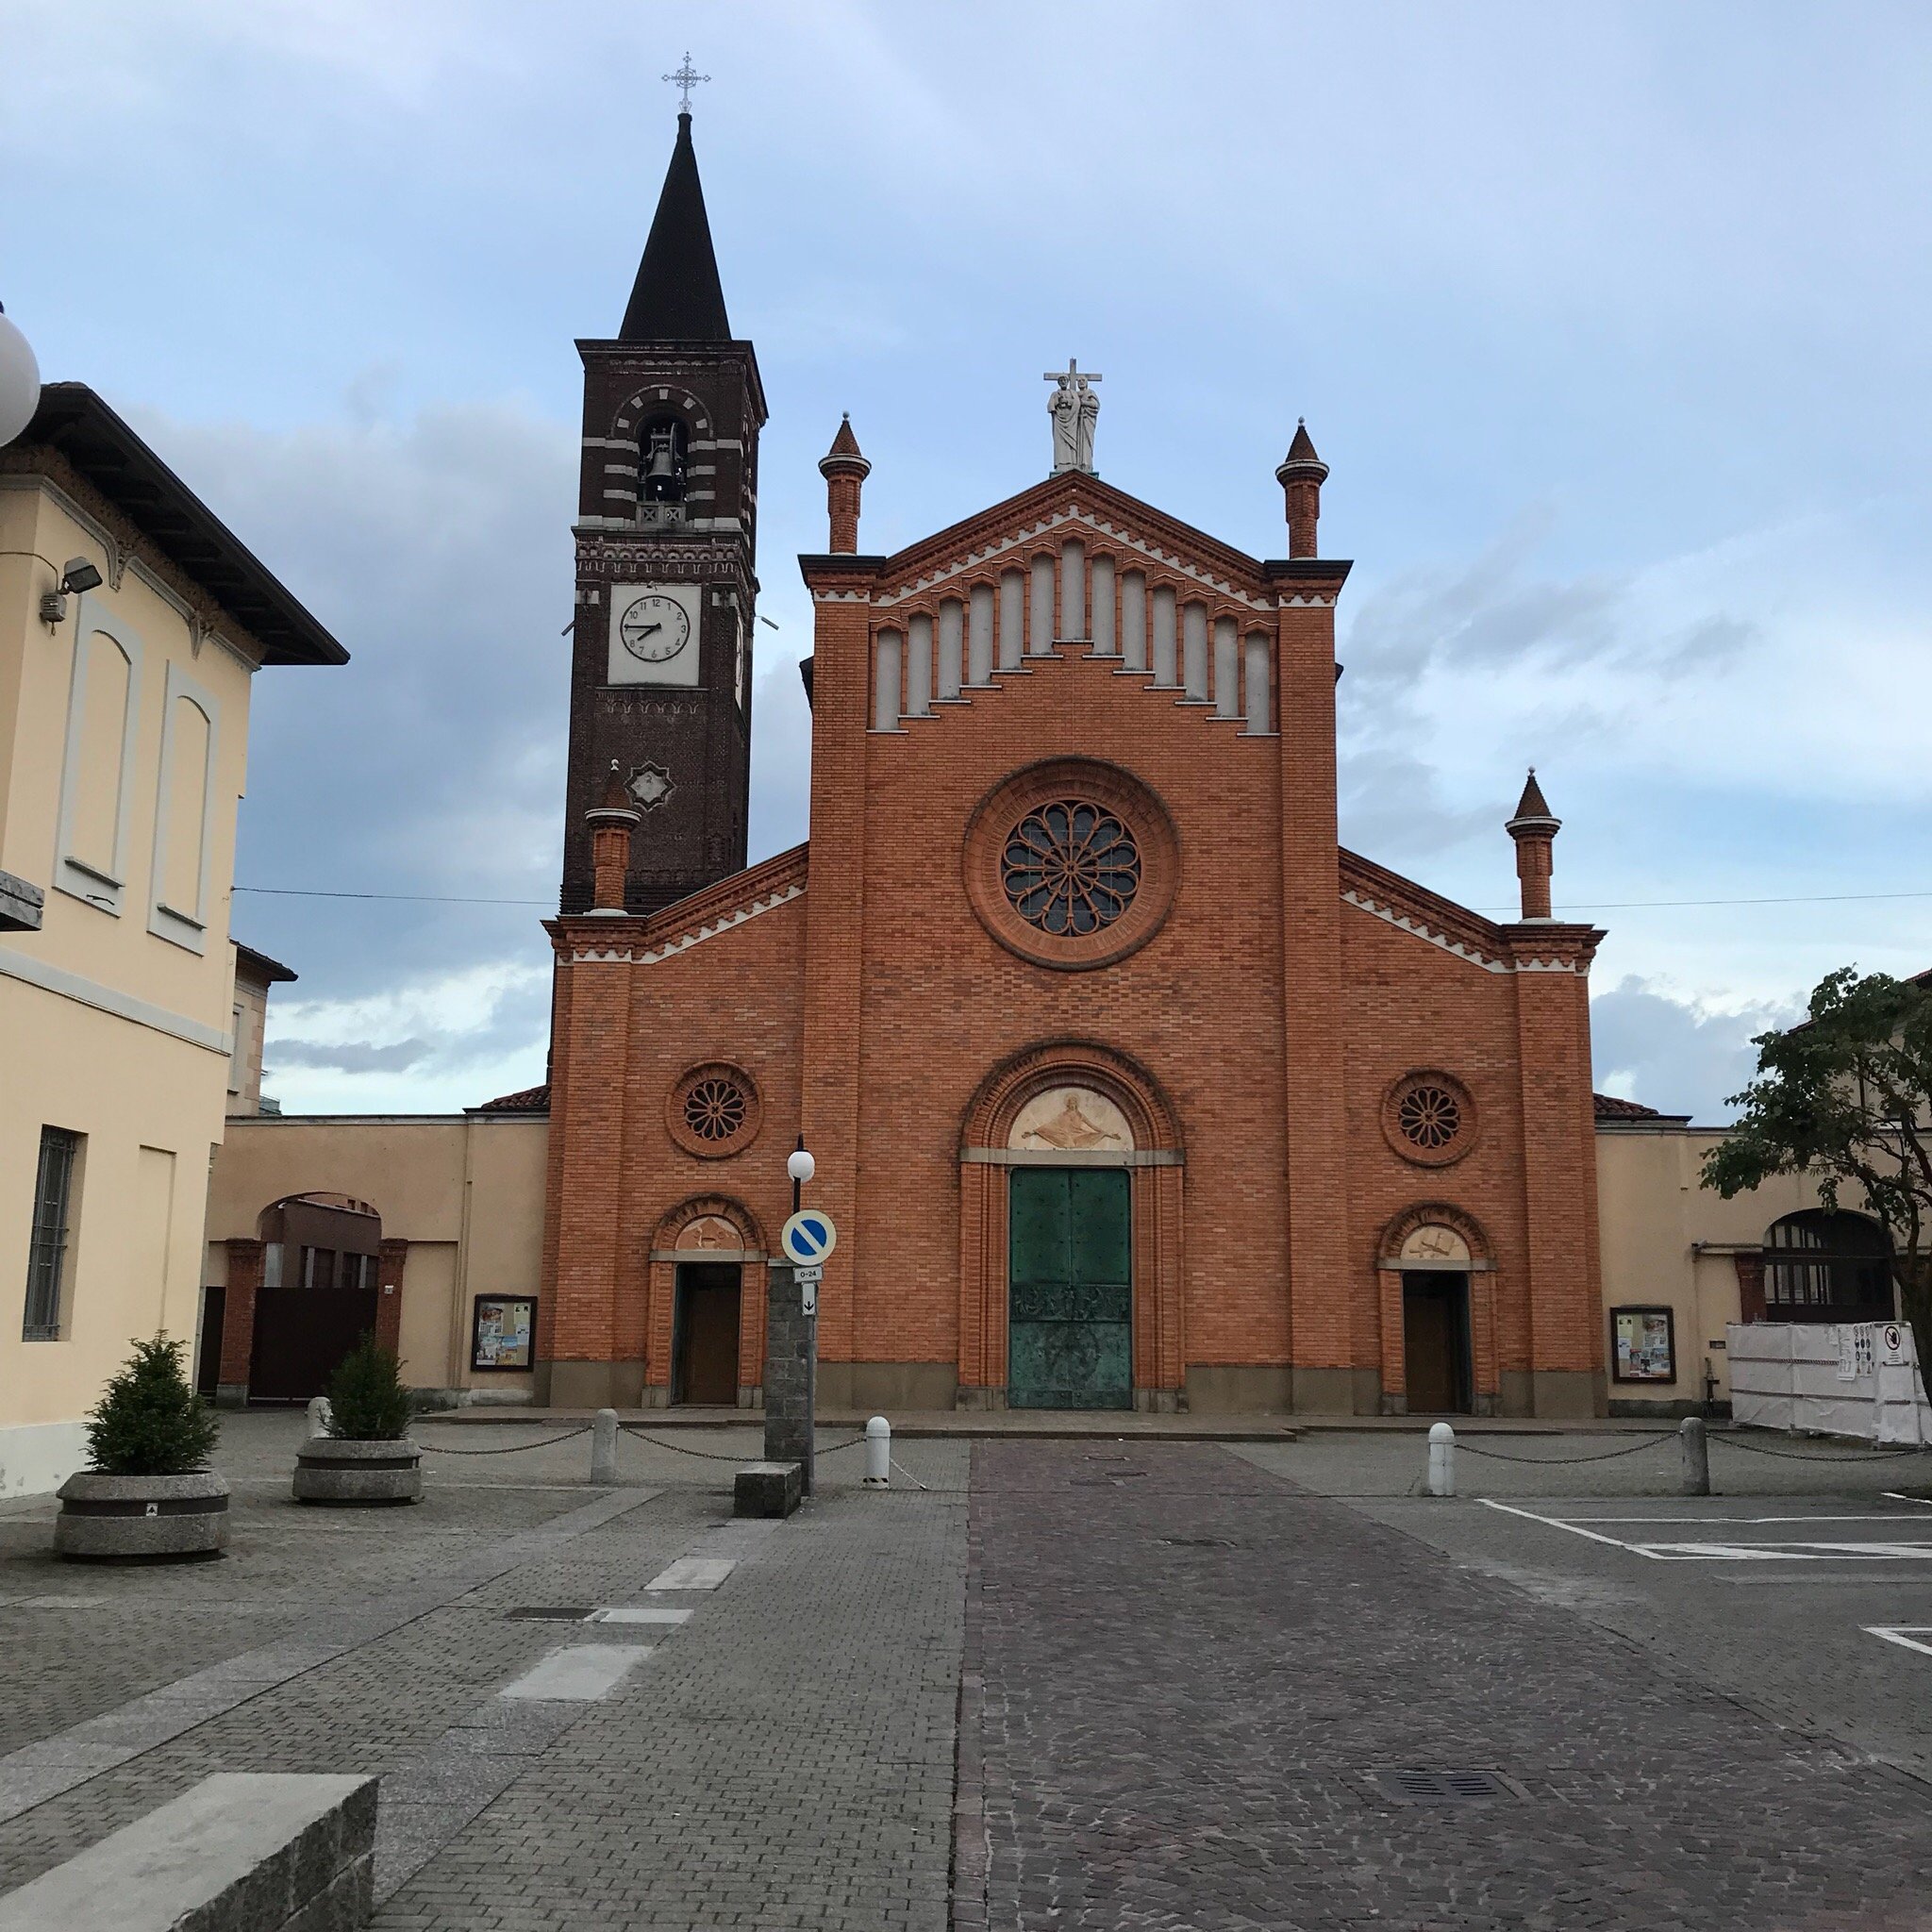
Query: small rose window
{"x":1070,"y":867}
{"x":713,"y":1110}
{"x":1429,"y":1117}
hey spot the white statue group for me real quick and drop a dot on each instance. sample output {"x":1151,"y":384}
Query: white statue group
{"x":1073,"y":407}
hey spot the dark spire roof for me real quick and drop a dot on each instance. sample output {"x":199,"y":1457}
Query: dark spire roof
{"x":844,"y":443}
{"x":677,"y":296}
{"x":1532,"y":804}
{"x":1302,"y":450}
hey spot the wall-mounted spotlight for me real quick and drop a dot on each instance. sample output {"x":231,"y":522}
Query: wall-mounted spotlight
{"x":76,"y":574}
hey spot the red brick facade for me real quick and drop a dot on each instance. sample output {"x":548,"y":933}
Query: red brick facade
{"x":1253,"y":1014}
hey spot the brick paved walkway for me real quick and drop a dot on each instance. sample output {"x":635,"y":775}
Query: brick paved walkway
{"x":1176,"y":1674}
{"x":1182,"y":1676}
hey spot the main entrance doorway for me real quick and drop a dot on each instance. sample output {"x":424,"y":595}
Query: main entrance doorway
{"x":1070,"y":1308}
{"x":1435,"y":1341}
{"x":703,"y":1342}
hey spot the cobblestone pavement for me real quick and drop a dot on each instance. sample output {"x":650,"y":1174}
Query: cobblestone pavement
{"x":1184,"y":1677}
{"x":1178,"y":1674}
{"x":783,"y":1760}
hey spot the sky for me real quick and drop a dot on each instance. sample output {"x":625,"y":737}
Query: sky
{"x":1610,"y":322}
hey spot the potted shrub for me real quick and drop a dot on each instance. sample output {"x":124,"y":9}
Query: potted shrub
{"x":148,"y":1494}
{"x":366,"y":1457}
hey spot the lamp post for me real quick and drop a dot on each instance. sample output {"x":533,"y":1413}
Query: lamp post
{"x":792,"y":1348}
{"x":20,"y":381}
{"x":800,"y":1167}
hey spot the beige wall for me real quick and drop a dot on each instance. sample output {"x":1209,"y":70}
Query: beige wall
{"x":465,"y":1191}
{"x":1666,"y":1243}
{"x":112,"y":1029}
{"x":249,"y":1020}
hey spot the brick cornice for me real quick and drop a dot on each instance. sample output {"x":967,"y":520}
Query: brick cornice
{"x":605,"y":939}
{"x":1539,"y":947}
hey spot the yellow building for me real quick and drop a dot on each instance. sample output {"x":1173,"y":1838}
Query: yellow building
{"x":131,"y":624}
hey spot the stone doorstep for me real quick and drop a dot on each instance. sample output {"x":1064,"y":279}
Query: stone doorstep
{"x":242,"y":1852}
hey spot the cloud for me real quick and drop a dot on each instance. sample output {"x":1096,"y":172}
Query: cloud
{"x":349,"y":1057}
{"x":459,"y":1036}
{"x":1679,"y":1055}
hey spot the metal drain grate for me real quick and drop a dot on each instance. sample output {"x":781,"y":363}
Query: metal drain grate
{"x":1408,"y":1785}
{"x":535,"y":1614}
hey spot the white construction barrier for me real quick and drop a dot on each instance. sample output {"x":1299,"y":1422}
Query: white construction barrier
{"x":1828,"y":1379}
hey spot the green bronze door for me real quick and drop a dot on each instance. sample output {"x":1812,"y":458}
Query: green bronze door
{"x":1070,"y":1320}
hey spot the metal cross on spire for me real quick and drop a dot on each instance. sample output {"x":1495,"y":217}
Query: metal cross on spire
{"x":684,"y":79}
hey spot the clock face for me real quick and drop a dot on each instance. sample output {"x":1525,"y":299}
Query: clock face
{"x":654,"y":627}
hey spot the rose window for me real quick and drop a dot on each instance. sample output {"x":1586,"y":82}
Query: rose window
{"x":714,"y":1109}
{"x":1070,"y":867}
{"x":1430,"y":1118}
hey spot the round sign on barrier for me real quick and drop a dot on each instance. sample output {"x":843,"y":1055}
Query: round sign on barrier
{"x":808,"y":1238}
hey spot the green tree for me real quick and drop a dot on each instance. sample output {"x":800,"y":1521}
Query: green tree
{"x":149,"y":1421}
{"x":366,"y":1397}
{"x":1846,"y":1097}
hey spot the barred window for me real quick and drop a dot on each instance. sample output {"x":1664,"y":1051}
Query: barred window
{"x":46,"y":1271}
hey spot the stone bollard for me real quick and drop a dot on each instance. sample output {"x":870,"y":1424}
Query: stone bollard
{"x":879,"y":1454}
{"x":320,"y":1415}
{"x":603,"y":1449}
{"x":1441,"y":1460}
{"x":1696,"y":1450}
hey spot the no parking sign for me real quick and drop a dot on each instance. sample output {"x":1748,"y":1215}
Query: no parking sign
{"x":808,"y":1238}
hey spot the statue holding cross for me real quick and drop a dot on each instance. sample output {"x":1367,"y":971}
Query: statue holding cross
{"x":1075,"y":410}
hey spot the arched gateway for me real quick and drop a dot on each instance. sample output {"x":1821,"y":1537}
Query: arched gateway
{"x":1071,"y":1174}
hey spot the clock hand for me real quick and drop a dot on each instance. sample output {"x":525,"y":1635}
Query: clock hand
{"x":646,"y":630}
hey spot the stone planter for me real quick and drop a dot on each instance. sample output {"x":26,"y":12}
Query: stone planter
{"x":141,"y":1519}
{"x":335,"y":1469}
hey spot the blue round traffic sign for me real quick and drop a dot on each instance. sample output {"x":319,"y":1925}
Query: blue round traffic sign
{"x":809,"y":1237}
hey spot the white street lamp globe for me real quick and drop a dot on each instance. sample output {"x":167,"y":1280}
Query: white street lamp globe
{"x":20,"y":381}
{"x":800,"y":1166}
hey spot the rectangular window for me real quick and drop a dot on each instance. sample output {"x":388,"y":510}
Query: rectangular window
{"x":46,"y":1272}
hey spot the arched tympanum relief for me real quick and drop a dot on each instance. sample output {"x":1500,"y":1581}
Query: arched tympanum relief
{"x":1071,"y":1119}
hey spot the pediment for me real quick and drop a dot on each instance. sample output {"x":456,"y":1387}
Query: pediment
{"x":1108,"y":520}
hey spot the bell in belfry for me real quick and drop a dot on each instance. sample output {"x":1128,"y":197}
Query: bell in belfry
{"x":664,"y":478}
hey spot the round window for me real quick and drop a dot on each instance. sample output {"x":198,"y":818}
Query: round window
{"x":1071,"y":863}
{"x":1428,"y":1118}
{"x":1070,"y":867}
{"x":713,"y":1110}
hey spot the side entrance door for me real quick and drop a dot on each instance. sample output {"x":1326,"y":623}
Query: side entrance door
{"x":1435,"y":1341}
{"x":703,"y":1350}
{"x":1070,"y":1310}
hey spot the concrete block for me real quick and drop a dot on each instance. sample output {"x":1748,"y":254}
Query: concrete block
{"x":766,"y":1488}
{"x":242,"y":1852}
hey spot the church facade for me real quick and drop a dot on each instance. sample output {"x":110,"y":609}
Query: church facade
{"x":1127,"y":1086}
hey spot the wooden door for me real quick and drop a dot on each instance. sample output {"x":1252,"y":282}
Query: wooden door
{"x":1070,"y":1320}
{"x":707,"y":1340}
{"x":1435,"y":1342}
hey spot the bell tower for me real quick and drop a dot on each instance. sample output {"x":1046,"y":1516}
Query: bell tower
{"x":666,"y":544}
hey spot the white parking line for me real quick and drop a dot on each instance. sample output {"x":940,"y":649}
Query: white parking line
{"x":1790,"y":1550}
{"x":1906,"y":1636}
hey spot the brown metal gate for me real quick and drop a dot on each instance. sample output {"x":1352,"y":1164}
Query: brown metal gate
{"x":324,"y":1303}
